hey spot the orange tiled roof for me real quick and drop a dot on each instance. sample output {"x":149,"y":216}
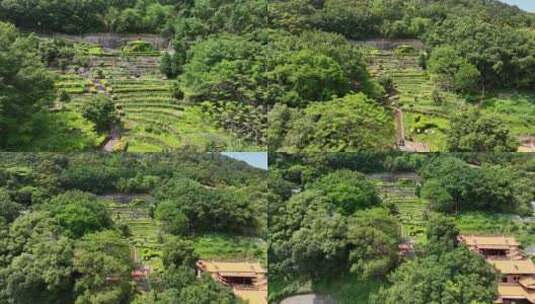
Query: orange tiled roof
{"x":231,"y":267}
{"x":514,"y":266}
{"x":515,"y":291}
{"x":480,"y":240}
{"x":528,"y":282}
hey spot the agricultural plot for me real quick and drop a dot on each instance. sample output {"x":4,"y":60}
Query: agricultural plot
{"x":517,"y":109}
{"x":400,"y":190}
{"x":152,"y":119}
{"x":146,"y":248}
{"x":426,"y":118}
{"x":146,"y":238}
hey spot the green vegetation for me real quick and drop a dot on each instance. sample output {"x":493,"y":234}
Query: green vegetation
{"x":383,"y":227}
{"x":441,"y":70}
{"x":290,"y":76}
{"x":444,"y":265}
{"x":89,"y":16}
{"x":81,"y":228}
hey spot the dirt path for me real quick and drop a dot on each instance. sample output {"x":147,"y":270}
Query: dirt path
{"x":115,"y":133}
{"x":400,"y":128}
{"x":401,"y":141}
{"x":113,"y":139}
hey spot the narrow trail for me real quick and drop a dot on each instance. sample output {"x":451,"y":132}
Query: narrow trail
{"x":115,"y":133}
{"x":402,"y":143}
{"x":400,"y":128}
{"x":113,"y":139}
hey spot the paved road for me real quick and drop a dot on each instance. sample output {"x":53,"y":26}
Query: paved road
{"x":308,"y":299}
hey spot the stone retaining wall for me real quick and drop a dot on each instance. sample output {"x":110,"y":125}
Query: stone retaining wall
{"x":113,"y":40}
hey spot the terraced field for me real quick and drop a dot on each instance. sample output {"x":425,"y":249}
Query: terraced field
{"x":152,"y":119}
{"x":400,"y":190}
{"x":425,"y":121}
{"x":144,"y":232}
{"x":146,"y":241}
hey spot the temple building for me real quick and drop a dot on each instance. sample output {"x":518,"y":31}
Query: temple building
{"x":517,"y":280}
{"x":247,"y":280}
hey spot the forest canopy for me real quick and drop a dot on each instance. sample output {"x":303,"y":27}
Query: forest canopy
{"x":64,"y":239}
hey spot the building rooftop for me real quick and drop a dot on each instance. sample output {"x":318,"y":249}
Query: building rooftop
{"x":528,"y":282}
{"x":514,"y":267}
{"x":514,"y":291}
{"x":254,"y":293}
{"x":489,"y":241}
{"x":235,"y":268}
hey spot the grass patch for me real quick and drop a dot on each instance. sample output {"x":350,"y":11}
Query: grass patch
{"x":347,"y":289}
{"x":64,"y":131}
{"x":493,"y":223}
{"x":515,"y":108}
{"x":230,"y":247}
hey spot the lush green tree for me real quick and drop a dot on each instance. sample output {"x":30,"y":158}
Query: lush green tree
{"x":29,"y":226}
{"x":440,"y":199}
{"x":166,"y":65}
{"x":317,"y":247}
{"x":455,"y":71}
{"x":224,"y":67}
{"x":228,"y":70}
{"x":457,"y":276}
{"x":195,"y":208}
{"x":103,"y":269}
{"x":79,"y":213}
{"x":173,"y":219}
{"x":352,"y":23}
{"x":308,"y":76}
{"x":442,"y":235}
{"x":351,"y":123}
{"x":373,"y":236}
{"x":101,"y":111}
{"x":177,"y":277}
{"x":43,"y":273}
{"x":26,"y":88}
{"x":9,"y":210}
{"x":489,"y":188}
{"x":179,"y":252}
{"x":346,"y":190}
{"x":206,"y":292}
{"x":180,"y":285}
{"x":470,"y":130}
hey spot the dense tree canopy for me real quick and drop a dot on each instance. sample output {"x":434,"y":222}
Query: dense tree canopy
{"x":26,"y":88}
{"x":456,"y":276}
{"x":452,"y":185}
{"x":335,"y":225}
{"x":347,"y":190}
{"x":75,"y":17}
{"x":351,"y":123}
{"x":101,"y":111}
{"x":79,"y":213}
{"x":190,"y":207}
{"x":61,"y":245}
{"x":446,"y":272}
{"x":473,"y":131}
